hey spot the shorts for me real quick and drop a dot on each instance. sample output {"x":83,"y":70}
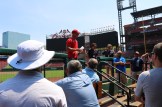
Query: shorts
{"x":123,"y":78}
{"x":136,"y":74}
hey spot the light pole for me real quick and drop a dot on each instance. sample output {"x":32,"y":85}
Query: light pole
{"x":144,"y":35}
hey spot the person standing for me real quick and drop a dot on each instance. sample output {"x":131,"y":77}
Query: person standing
{"x":92,"y":52}
{"x":78,"y":88}
{"x":109,"y":52}
{"x":148,"y":89}
{"x":119,"y":62}
{"x":29,"y":88}
{"x":137,"y":65}
{"x":72,"y":45}
{"x":90,"y":70}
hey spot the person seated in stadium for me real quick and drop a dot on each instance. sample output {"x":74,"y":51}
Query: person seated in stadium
{"x":29,"y":88}
{"x":78,"y":88}
{"x":90,"y":70}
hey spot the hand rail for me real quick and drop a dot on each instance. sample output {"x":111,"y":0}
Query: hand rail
{"x":114,"y":98}
{"x":118,"y":70}
{"x":116,"y":85}
{"x":120,"y":83}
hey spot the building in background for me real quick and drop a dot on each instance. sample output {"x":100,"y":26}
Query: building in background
{"x":10,"y":39}
{"x":142,"y":35}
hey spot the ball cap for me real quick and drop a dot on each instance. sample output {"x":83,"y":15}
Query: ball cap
{"x":75,"y":31}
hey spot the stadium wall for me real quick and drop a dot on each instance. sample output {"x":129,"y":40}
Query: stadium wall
{"x":101,"y":40}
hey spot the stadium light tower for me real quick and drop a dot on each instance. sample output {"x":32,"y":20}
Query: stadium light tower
{"x":131,"y":5}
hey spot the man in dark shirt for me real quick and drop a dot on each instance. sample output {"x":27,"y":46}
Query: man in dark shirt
{"x":137,"y":65}
{"x":108,"y":53}
{"x":92,"y":52}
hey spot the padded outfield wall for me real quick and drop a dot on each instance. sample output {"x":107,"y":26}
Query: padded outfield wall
{"x":101,"y":39}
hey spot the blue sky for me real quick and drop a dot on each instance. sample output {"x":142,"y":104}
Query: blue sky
{"x":44,"y":17}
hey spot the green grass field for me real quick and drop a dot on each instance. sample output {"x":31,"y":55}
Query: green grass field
{"x":54,"y":73}
{"x":6,"y":76}
{"x":48,"y":74}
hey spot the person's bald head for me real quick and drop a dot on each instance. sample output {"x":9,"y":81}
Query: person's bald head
{"x":119,"y":53}
{"x":74,"y":66}
{"x":92,"y":63}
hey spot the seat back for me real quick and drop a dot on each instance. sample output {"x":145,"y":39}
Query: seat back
{"x":98,"y":88}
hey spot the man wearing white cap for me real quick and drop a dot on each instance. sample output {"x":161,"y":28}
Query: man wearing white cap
{"x":29,"y":88}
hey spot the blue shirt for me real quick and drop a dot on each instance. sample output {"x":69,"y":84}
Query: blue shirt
{"x":92,"y":74}
{"x":120,"y":67}
{"x":79,"y":90}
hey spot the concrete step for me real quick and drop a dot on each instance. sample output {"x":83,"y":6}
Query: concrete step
{"x":105,"y":100}
{"x":131,"y":104}
{"x":108,"y":102}
{"x":136,"y":104}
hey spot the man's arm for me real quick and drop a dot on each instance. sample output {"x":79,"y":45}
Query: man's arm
{"x":140,"y":99}
{"x":68,"y":46}
{"x":139,"y":96}
{"x":72,"y":49}
{"x":117,"y":63}
{"x":122,"y":62}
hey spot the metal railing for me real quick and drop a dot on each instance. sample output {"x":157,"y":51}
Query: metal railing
{"x":114,"y":98}
{"x":118,"y":87}
{"x":104,"y":62}
{"x":120,"y":83}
